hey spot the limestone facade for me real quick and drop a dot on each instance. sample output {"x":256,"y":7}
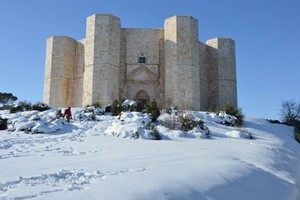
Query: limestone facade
{"x":169,"y":65}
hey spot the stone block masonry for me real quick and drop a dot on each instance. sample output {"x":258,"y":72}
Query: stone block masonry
{"x":169,"y":65}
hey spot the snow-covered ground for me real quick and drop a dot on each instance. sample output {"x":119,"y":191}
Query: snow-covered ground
{"x":86,"y":160}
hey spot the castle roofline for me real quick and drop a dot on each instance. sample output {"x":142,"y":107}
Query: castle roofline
{"x":220,"y":40}
{"x":143,"y":29}
{"x":103,"y":15}
{"x":182,"y":16}
{"x":61,"y":37}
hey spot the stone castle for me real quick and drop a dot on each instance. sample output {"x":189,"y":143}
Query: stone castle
{"x":169,"y":65}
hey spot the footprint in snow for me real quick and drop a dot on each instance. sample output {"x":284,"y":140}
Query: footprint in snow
{"x":64,"y":180}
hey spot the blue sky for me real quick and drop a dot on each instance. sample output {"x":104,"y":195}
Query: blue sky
{"x":266,"y":32}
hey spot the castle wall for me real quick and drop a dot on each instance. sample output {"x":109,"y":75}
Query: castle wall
{"x":59,"y":71}
{"x":142,"y":41}
{"x":223,"y":72}
{"x":170,"y":34}
{"x":161,"y":70}
{"x":102,"y":60}
{"x":227,"y":74}
{"x":123,"y":86}
{"x":105,"y":66}
{"x":212,"y":77}
{"x":79,"y":74}
{"x":204,"y":101}
{"x":182,"y":82}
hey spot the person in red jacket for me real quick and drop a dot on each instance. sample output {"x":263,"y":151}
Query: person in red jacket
{"x":68,"y":114}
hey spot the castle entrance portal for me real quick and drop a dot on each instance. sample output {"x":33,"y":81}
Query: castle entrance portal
{"x":142,"y":99}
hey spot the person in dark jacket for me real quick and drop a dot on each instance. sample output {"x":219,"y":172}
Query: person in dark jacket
{"x":68,"y":114}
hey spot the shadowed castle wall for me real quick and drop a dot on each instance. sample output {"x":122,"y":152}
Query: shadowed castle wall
{"x":223,"y":74}
{"x":79,"y":73}
{"x":204,"y":100}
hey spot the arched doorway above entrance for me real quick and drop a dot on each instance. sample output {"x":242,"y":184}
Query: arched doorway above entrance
{"x":142,"y":99}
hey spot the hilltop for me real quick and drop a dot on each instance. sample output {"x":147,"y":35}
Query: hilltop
{"x":116,"y":158}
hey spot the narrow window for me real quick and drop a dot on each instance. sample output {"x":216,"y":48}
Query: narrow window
{"x":142,"y":58}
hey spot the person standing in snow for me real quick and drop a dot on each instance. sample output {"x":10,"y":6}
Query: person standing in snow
{"x":68,"y":114}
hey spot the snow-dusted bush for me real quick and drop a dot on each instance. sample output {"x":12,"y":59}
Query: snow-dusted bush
{"x":187,"y":122}
{"x":3,"y":123}
{"x":90,"y":113}
{"x":45,"y":128}
{"x":155,"y":134}
{"x":153,"y":110}
{"x":40,"y":107}
{"x":172,"y":110}
{"x":135,"y":117}
{"x":297,"y":137}
{"x":95,"y":110}
{"x":239,"y":134}
{"x":25,"y":126}
{"x":129,"y":105}
{"x":200,"y":131}
{"x":16,"y":108}
{"x":107,"y":108}
{"x":133,"y":125}
{"x":84,"y":116}
{"x":99,"y":111}
{"x":170,"y":121}
{"x":226,"y":119}
{"x":297,"y":131}
{"x":35,"y":117}
{"x":116,"y":108}
{"x":26,"y":106}
{"x":237,"y":113}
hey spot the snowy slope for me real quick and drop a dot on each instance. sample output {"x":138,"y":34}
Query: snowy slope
{"x":83,"y":160}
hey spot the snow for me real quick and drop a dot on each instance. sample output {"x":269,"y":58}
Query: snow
{"x":100,"y":159}
{"x":128,"y":103}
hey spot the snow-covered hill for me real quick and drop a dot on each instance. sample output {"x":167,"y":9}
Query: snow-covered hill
{"x":85,"y":160}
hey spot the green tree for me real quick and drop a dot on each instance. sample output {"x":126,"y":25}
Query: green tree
{"x":153,"y":110}
{"x":116,"y":108}
{"x":229,"y":109}
{"x":7,"y":99}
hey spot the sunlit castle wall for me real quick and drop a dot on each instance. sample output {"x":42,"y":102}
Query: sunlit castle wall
{"x":59,"y":71}
{"x":168,"y":65}
{"x":182,"y":70}
{"x":142,"y":77}
{"x":102,"y":60}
